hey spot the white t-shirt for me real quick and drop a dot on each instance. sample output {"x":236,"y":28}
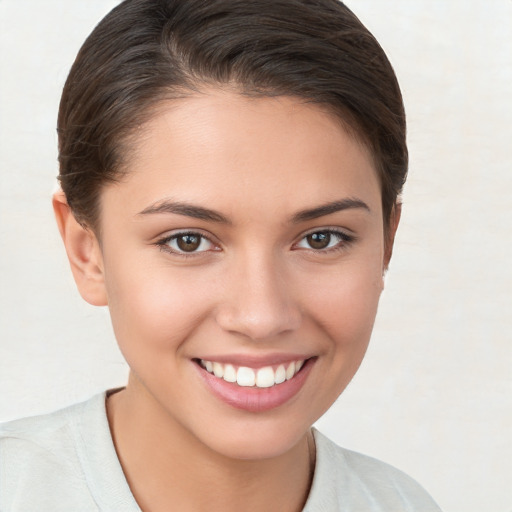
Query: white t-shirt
{"x":66,"y":462}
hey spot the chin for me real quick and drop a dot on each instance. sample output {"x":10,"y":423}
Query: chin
{"x":256,"y":440}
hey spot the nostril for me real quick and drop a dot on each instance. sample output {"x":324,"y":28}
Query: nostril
{"x":258,"y":323}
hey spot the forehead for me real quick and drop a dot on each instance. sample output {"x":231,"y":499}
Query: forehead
{"x":231,"y":150}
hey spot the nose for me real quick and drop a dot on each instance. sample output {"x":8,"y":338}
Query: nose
{"x":258,"y":302}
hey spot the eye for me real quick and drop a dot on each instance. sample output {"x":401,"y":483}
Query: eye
{"x":324,"y":240}
{"x":186,"y":243}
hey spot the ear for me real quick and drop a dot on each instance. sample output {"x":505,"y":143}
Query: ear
{"x":84,"y":253}
{"x":394,"y":220}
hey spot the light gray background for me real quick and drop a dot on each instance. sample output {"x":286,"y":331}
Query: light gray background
{"x":434,"y":394}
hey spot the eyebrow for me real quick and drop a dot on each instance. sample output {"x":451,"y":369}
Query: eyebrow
{"x":189,"y":210}
{"x":328,"y":208}
{"x":199,"y":212}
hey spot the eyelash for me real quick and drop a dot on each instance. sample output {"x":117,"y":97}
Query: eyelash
{"x":163,"y":244}
{"x":344,"y":239}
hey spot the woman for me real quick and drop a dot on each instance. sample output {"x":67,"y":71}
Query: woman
{"x":230,"y":176}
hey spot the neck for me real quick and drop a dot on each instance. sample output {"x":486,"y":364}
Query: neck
{"x":168,"y":468}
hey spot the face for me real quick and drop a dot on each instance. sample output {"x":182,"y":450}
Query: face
{"x":242,"y":259}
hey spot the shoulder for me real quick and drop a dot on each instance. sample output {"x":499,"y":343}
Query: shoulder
{"x":51,"y":433}
{"x":347,"y":480}
{"x":46,"y":436}
{"x":39,"y":454}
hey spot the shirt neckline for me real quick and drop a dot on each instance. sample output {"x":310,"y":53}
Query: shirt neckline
{"x":107,"y":481}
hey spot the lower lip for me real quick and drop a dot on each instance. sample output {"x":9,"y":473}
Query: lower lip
{"x":254,"y":399}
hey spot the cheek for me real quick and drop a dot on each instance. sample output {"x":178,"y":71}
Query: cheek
{"x":342,"y":306}
{"x":155,"y":308}
{"x":345,"y":305}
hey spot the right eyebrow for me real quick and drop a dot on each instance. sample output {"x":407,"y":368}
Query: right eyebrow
{"x":186,"y":209}
{"x":347,"y":203}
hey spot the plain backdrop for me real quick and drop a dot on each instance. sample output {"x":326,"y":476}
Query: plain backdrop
{"x":434,"y":394}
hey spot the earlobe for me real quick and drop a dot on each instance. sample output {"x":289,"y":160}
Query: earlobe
{"x":391,"y":233}
{"x":84,"y":253}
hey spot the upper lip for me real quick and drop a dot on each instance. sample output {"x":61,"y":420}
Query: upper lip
{"x":255,"y":361}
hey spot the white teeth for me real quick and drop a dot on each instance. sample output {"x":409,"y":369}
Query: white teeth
{"x":290,"y":371}
{"x":218,"y":370}
{"x":229,"y":373}
{"x":265,"y":377}
{"x":280,"y":374}
{"x":245,"y":377}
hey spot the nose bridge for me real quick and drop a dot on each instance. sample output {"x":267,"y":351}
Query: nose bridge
{"x":258,"y":302}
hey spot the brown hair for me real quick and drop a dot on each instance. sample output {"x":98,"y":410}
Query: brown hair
{"x":145,"y":51}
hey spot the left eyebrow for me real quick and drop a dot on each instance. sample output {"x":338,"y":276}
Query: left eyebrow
{"x":186,"y":209}
{"x":328,"y":208}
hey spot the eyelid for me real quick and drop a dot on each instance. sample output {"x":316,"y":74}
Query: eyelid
{"x":163,"y":242}
{"x":345,"y":236}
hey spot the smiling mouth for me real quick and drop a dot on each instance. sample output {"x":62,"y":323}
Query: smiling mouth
{"x":244,"y":376}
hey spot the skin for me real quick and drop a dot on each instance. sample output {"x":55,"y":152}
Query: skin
{"x":257,"y":288}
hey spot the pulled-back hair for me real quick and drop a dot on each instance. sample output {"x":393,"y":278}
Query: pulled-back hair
{"x":146,"y":51}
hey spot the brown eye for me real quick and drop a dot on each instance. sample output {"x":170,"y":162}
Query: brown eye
{"x":188,"y":243}
{"x":326,"y":240}
{"x":319,"y":240}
